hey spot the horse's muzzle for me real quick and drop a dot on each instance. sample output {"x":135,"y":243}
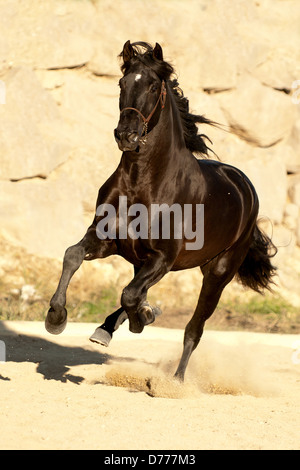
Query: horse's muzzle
{"x":127,"y":141}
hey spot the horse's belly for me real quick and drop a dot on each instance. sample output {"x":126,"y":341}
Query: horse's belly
{"x":191,"y":258}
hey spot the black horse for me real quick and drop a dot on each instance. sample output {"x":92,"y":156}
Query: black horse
{"x":158,"y":137}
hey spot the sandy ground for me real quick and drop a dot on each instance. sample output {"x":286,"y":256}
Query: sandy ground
{"x":241,"y":391}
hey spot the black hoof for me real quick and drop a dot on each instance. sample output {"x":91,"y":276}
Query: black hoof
{"x":135,"y":327}
{"x":55,"y":322}
{"x":147,"y":314}
{"x":101,"y":336}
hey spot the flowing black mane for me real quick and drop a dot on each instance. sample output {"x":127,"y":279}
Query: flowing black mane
{"x":143,"y":52}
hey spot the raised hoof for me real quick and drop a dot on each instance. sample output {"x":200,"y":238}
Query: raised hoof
{"x":53,"y":323}
{"x":135,"y":328}
{"x":101,"y":336}
{"x":147,"y":313}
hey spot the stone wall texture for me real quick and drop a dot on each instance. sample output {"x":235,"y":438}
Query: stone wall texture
{"x":237,"y":62}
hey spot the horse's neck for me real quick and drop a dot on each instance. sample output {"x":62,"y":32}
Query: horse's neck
{"x":164,"y":151}
{"x":166,"y":140}
{"x":171,"y":124}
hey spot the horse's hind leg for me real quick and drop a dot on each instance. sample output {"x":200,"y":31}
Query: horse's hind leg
{"x":208,"y":300}
{"x":217,"y":274}
{"x":103,"y":334}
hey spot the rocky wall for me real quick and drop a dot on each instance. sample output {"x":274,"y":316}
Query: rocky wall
{"x":237,"y":62}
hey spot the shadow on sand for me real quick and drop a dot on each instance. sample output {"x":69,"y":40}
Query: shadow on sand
{"x":53,"y":360}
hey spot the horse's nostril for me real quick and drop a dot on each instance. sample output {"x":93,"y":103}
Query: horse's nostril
{"x":132,"y":137}
{"x":126,"y":140}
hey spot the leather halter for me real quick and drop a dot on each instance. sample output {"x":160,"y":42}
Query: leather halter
{"x":161,"y":99}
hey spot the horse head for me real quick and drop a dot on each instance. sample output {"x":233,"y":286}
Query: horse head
{"x":142,"y":91}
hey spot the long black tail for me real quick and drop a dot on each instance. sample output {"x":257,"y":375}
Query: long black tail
{"x":257,"y":270}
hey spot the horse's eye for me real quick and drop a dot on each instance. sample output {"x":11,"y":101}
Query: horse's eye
{"x":153,"y":88}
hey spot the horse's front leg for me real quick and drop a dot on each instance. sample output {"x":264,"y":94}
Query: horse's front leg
{"x":89,"y":247}
{"x":134,"y":296}
{"x":56,"y":319}
{"x":104,"y":333}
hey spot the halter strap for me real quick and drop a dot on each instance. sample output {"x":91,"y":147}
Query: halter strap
{"x":161,"y":99}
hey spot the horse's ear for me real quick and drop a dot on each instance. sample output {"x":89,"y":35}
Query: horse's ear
{"x":128,"y":52}
{"x":157,"y":52}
